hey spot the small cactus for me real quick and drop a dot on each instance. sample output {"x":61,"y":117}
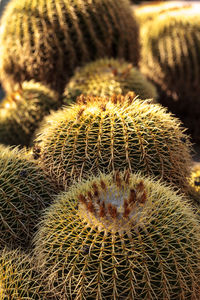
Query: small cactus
{"x":22,"y":111}
{"x":46,"y":40}
{"x":24,"y":192}
{"x":18,"y":279}
{"x":106,"y":77}
{"x":119,"y":236}
{"x":106,"y":134}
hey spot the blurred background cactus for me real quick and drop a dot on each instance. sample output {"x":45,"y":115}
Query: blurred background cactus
{"x":106,"y":77}
{"x":126,"y":237}
{"x":170,"y":57}
{"x":46,"y":40}
{"x":22,"y":111}
{"x":116,"y":133}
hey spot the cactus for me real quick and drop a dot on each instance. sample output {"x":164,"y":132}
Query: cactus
{"x":45,"y":40}
{"x":109,"y":134}
{"x":170,"y":57}
{"x":24,"y":192}
{"x":18,"y":279}
{"x":195,"y":178}
{"x":148,"y":12}
{"x":120,"y":237}
{"x":22,"y":111}
{"x":106,"y":77}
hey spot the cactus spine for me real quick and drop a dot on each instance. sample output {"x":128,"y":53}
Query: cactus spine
{"x":110,"y":134}
{"x":106,"y":77}
{"x":18,"y":279}
{"x":45,"y":40}
{"x":22,"y":111}
{"x":24,"y":192}
{"x":126,"y":237}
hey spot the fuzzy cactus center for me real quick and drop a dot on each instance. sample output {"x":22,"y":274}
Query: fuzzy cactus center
{"x":115,"y":207}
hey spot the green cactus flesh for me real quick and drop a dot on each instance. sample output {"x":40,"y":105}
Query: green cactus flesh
{"x":45,"y":40}
{"x":24,"y":192}
{"x":106,"y":77}
{"x":120,"y":237}
{"x":109,"y":134}
{"x":18,"y":279}
{"x":22,"y":111}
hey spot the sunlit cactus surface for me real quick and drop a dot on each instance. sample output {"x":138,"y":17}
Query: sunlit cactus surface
{"x":120,"y":236}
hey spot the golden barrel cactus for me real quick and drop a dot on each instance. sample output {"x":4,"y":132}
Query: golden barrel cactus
{"x":119,"y":237}
{"x":106,"y":134}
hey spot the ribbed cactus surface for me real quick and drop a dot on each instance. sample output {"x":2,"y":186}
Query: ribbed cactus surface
{"x":119,"y":237}
{"x":45,"y":40}
{"x":106,"y":77}
{"x":24,"y":192}
{"x":18,"y":280}
{"x":170,"y":56}
{"x":110,"y":134}
{"x":22,"y":111}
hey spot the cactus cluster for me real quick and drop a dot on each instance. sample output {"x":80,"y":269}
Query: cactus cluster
{"x":45,"y":40}
{"x":106,"y":77}
{"x":113,"y":133}
{"x":22,"y":111}
{"x":119,"y":236}
{"x":24,"y":193}
{"x":18,"y":279}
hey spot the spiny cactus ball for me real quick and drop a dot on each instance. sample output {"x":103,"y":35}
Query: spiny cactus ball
{"x":170,"y":56}
{"x":45,"y":40}
{"x":18,"y":279}
{"x":113,"y":133}
{"x":22,"y":111}
{"x":126,"y":237}
{"x":106,"y":77}
{"x":24,"y":192}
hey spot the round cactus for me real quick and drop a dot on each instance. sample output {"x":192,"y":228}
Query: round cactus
{"x":120,"y":237}
{"x":110,"y":134}
{"x":106,"y":77}
{"x":22,"y":111}
{"x":24,"y":192}
{"x":18,"y":279}
{"x":46,"y":40}
{"x":170,"y":56}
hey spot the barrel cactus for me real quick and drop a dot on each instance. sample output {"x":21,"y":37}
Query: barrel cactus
{"x":22,"y":111}
{"x":24,"y":192}
{"x":149,"y":11}
{"x":105,"y":77}
{"x":119,"y":237}
{"x":46,"y":40}
{"x":113,"y":133}
{"x":18,"y":279}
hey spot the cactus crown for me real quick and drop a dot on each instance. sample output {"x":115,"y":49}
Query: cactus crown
{"x":113,"y":206}
{"x":105,"y":77}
